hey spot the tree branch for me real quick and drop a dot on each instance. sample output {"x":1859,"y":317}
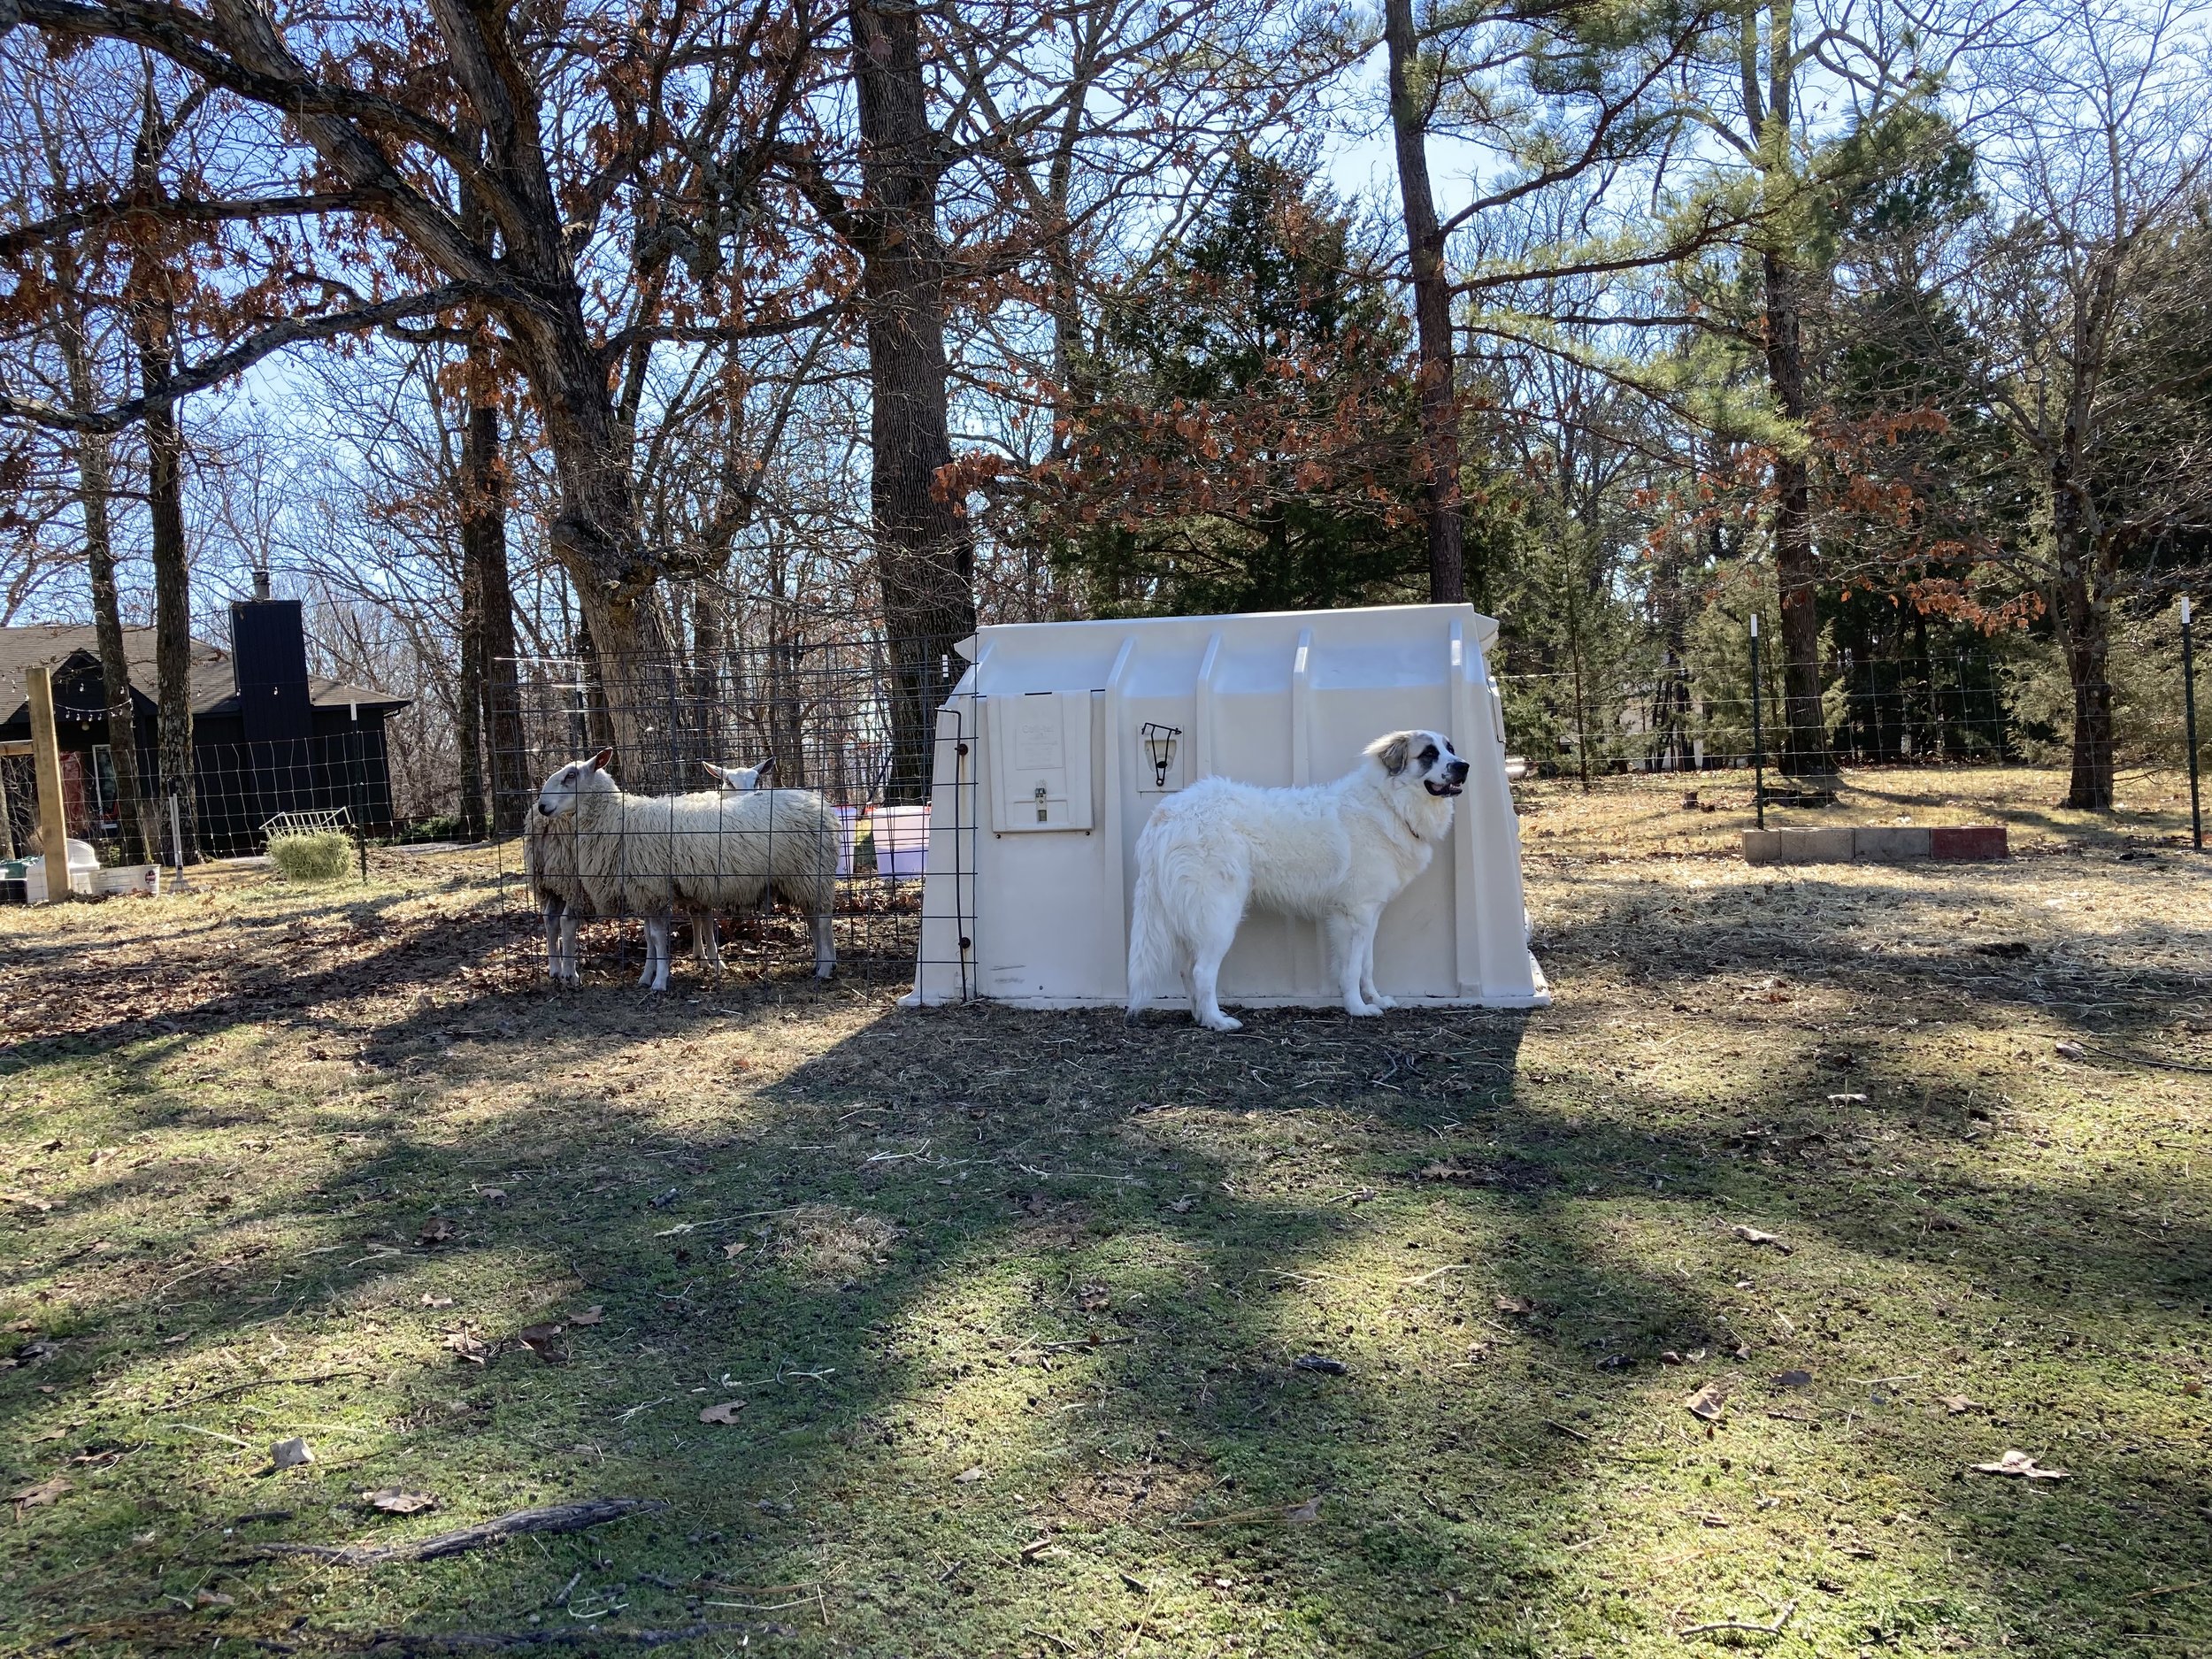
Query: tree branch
{"x":198,"y":376}
{"x":175,"y":211}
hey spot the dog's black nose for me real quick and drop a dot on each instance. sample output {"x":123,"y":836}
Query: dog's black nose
{"x":1458,"y":771}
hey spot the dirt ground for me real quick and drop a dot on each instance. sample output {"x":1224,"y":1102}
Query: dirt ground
{"x":1676,"y":1318}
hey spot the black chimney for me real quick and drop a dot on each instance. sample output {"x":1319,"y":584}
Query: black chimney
{"x":269,"y":658}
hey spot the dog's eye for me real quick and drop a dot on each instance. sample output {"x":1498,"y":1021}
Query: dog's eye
{"x":1428,"y":756}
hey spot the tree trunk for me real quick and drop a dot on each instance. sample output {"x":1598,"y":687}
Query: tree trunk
{"x":1805,"y":756}
{"x":925,"y":553}
{"x":1432,"y":313}
{"x":468,"y":700}
{"x":2085,"y":615}
{"x":139,"y":839}
{"x":150,"y":323}
{"x":95,"y":475}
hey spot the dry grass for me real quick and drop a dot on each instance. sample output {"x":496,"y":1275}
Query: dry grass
{"x":1643,"y":816}
{"x":1021,"y":1297}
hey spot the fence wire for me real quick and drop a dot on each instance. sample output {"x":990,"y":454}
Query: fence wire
{"x":820,"y":825}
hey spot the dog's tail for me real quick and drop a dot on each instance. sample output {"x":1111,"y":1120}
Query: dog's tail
{"x":1151,"y":951}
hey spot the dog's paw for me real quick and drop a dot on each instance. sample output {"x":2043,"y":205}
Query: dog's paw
{"x":1363,"y":1011}
{"x":1221,"y":1022}
{"x":1380,"y":1001}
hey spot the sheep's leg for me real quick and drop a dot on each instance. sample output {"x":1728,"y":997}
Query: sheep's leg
{"x":657,"y":929}
{"x":824,"y":943}
{"x":551,"y":911}
{"x":567,"y":973}
{"x":705,"y":946}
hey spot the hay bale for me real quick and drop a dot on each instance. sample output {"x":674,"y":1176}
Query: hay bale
{"x":312,"y":856}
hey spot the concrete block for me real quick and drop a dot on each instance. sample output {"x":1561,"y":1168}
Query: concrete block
{"x":1889,"y":842}
{"x":1969,"y":841}
{"x":1797,"y":846}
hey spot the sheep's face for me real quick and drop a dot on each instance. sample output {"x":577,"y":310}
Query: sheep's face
{"x":740,"y":779}
{"x":562,"y":790}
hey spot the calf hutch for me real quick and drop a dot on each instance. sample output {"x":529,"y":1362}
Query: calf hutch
{"x":1060,"y":737}
{"x":267,"y":736}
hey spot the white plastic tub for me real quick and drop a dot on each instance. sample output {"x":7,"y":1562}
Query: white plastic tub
{"x":901,"y":835}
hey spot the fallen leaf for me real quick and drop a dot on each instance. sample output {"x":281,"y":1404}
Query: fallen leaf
{"x":1183,"y":1205}
{"x":593,"y":1314}
{"x":213,"y":1598}
{"x":544,"y":1341}
{"x":29,"y":1201}
{"x":47,"y":1491}
{"x":437,"y":1230}
{"x":2070,"y":1050}
{"x":291,"y":1454}
{"x":2018,"y":1462}
{"x":969,"y":1477}
{"x":1792,"y":1378}
{"x":1092,"y":1298}
{"x":429,"y":1301}
{"x":2194,"y":1387}
{"x":736,"y":1246}
{"x":727,"y":1412}
{"x":31,"y":1353}
{"x":1752,"y":1235}
{"x":1706,"y":1403}
{"x":1448,"y":1172}
{"x":661,"y":1200}
{"x":399,"y":1501}
{"x":1846,"y":1099}
{"x":471,"y":1348}
{"x":1514,"y":1304}
{"x":1302,"y":1514}
{"x":1959,"y":1404}
{"x":1321,"y":1362}
{"x":494,"y":1195}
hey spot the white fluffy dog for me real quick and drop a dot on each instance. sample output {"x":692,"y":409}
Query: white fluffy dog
{"x":1336,"y":852}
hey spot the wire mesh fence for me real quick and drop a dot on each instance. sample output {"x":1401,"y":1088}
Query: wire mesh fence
{"x":237,"y":795}
{"x":767,"y":810}
{"x":1950,"y":711}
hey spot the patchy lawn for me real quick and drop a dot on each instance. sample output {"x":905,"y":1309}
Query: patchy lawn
{"x":1044,"y":1336}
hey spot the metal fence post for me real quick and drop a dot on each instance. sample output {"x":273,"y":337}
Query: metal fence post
{"x":2189,"y":720}
{"x":1758,"y":734}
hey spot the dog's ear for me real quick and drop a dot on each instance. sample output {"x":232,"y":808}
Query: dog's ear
{"x":1393,"y":752}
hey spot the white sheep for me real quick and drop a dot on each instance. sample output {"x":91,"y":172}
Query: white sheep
{"x":771,"y":841}
{"x":549,"y":859}
{"x":648,"y":854}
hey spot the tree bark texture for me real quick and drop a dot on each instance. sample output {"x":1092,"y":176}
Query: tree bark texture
{"x":1805,"y":754}
{"x":925,"y":552}
{"x":152,"y":321}
{"x":1432,"y":313}
{"x":2086,"y":616}
{"x":511,"y":784}
{"x":94,"y":484}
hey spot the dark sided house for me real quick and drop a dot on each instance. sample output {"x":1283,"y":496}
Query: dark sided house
{"x":267,"y":736}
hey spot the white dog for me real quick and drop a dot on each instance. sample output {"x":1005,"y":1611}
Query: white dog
{"x":1337,"y":852}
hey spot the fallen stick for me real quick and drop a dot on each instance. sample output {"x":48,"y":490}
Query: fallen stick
{"x":1775,"y":1629}
{"x":555,"y":1517}
{"x":258,"y":1382}
{"x":492,"y":1640}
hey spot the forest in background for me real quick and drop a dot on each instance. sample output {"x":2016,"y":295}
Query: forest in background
{"x":659,"y":337}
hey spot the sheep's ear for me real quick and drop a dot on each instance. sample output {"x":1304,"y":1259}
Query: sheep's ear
{"x":715,"y":771}
{"x":598,"y":763}
{"x":1392,"y":751}
{"x":766,"y":767}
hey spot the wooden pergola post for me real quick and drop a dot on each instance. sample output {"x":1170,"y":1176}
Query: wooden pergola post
{"x":53,"y":820}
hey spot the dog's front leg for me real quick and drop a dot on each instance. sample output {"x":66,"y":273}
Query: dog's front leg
{"x":1346,"y":943}
{"x":1367,"y":962}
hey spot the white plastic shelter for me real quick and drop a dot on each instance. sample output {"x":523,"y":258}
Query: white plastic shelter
{"x":1062,"y":736}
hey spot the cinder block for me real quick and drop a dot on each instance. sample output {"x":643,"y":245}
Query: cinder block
{"x":1797,"y":846}
{"x":1969,"y":841}
{"x":1888,"y":842}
